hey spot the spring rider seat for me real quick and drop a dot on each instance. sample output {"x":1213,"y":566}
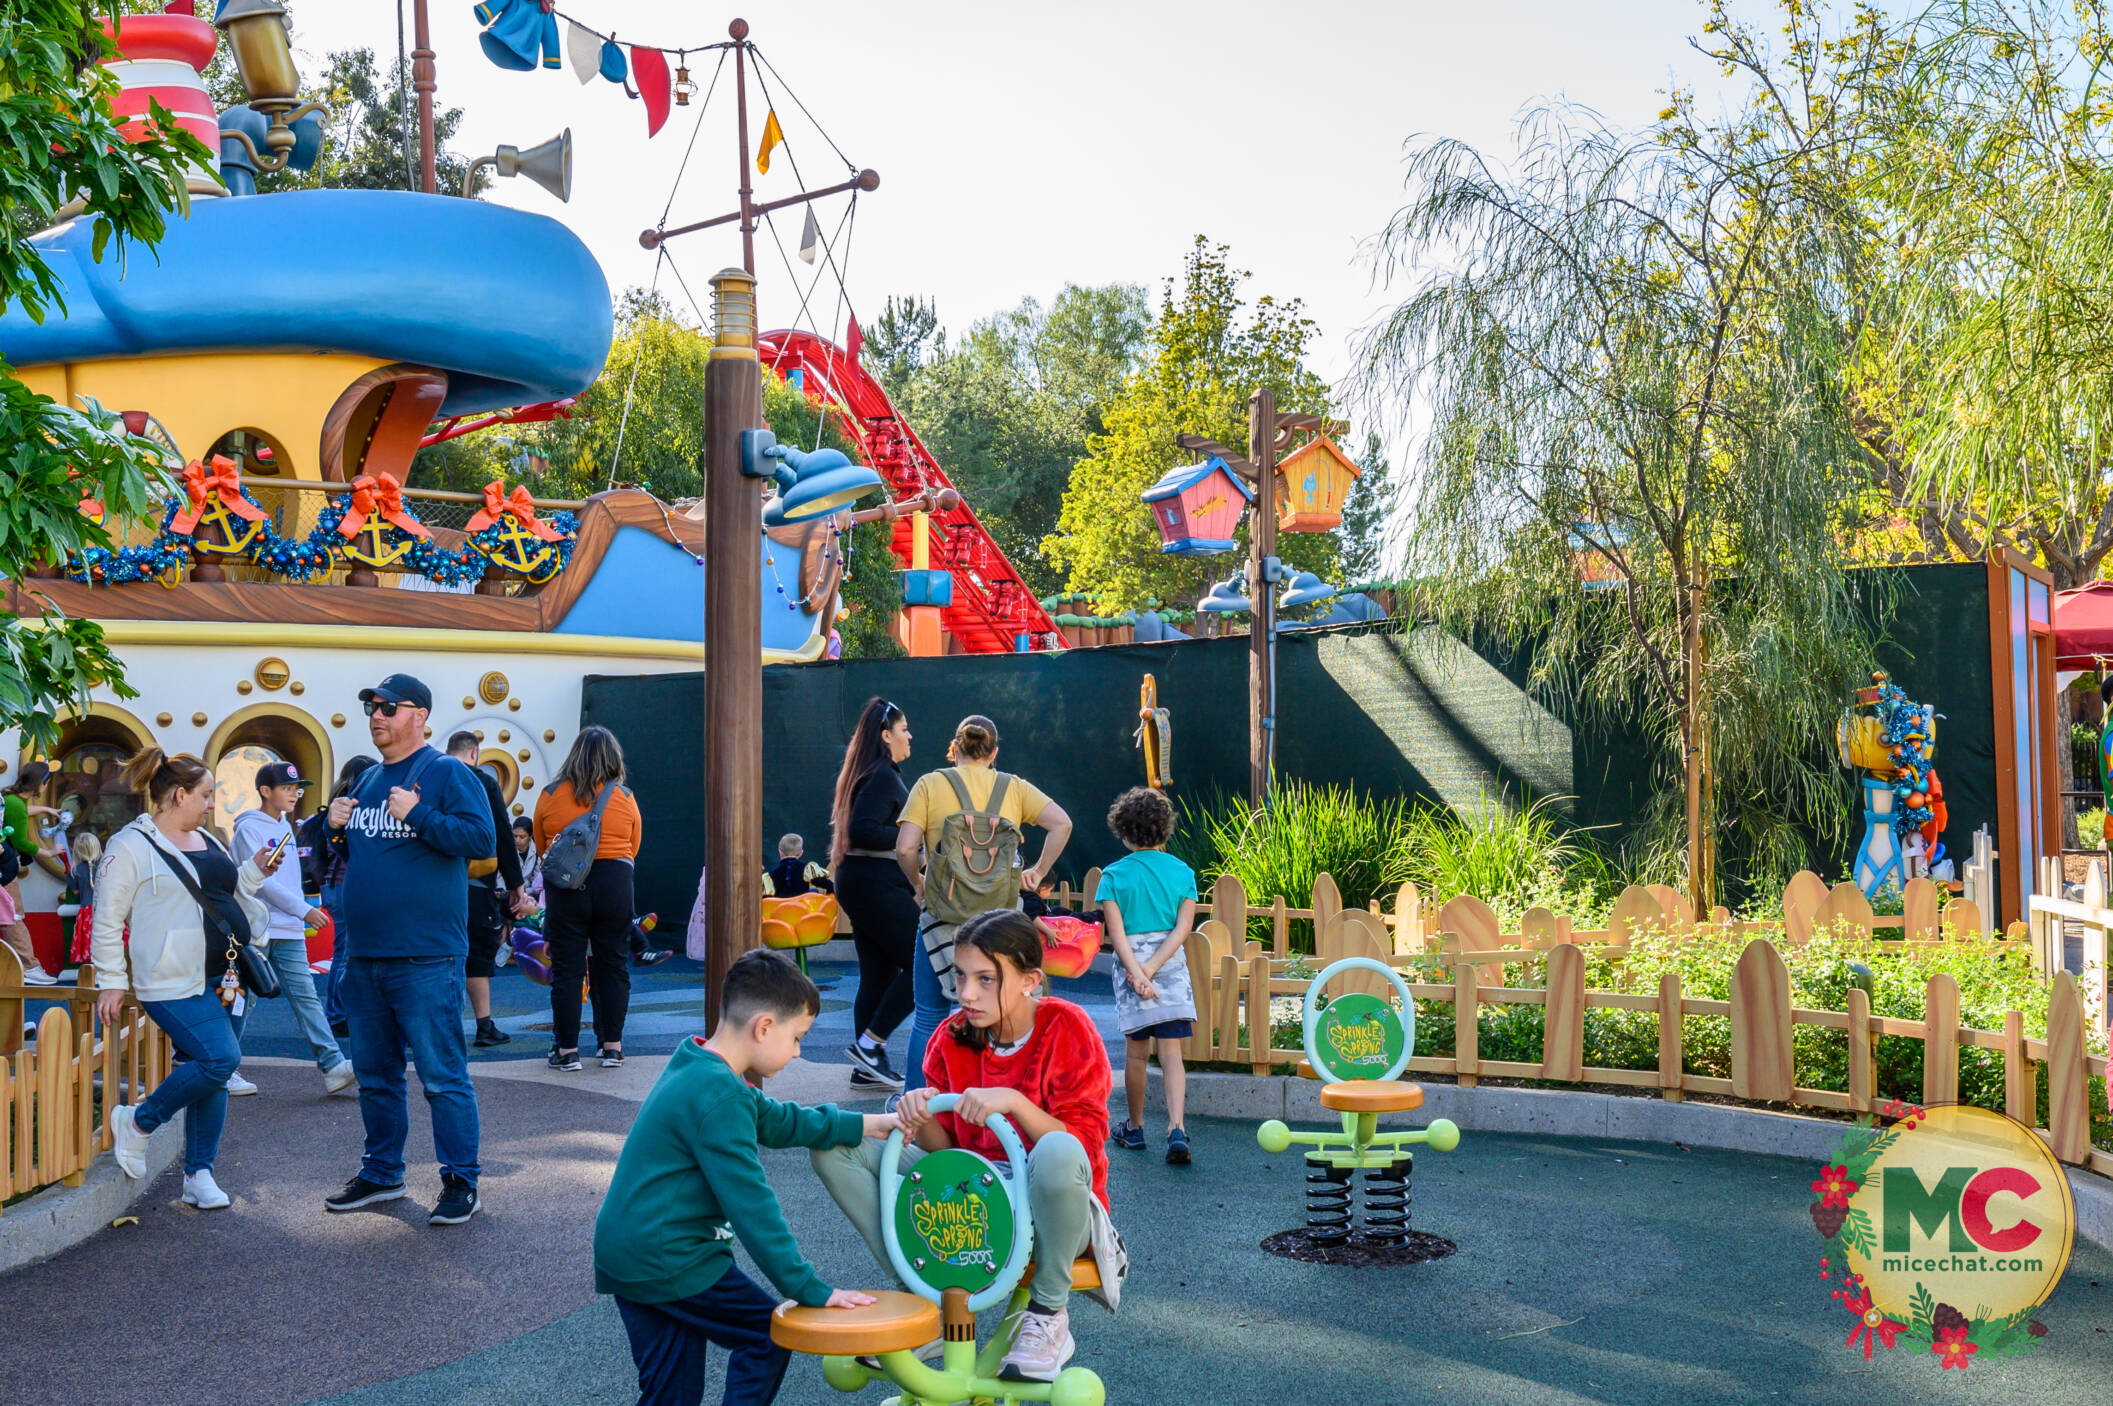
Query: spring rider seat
{"x":1359,"y":1044}
{"x":798,"y":923}
{"x":962,"y":1240}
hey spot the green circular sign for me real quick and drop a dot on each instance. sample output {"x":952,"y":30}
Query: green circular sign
{"x":953,"y":1219}
{"x":1359,"y":1037}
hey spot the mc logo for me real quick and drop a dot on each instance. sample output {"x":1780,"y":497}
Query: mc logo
{"x":1961,"y":1198}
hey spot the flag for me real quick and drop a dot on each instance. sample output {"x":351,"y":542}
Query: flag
{"x":649,"y":68}
{"x":810,"y":236}
{"x":852,"y":340}
{"x":583,"y":50}
{"x":773,"y":135}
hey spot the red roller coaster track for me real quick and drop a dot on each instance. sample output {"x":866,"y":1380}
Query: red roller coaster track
{"x":992,"y":605}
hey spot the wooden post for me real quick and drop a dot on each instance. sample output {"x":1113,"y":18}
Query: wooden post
{"x":7,"y":1159}
{"x":738,"y":31}
{"x":2068,"y":1077}
{"x":1258,"y":1021}
{"x":422,"y":83}
{"x":1466,"y":1004}
{"x":1261,"y":543}
{"x":2020,"y":1089}
{"x":1671,"y":1050}
{"x":1563,"y":1030}
{"x":1862,"y":1076}
{"x":1760,"y":1026}
{"x":1940,"y":1041}
{"x":733,"y":640}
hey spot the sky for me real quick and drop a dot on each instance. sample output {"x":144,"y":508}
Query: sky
{"x":1025,"y":146}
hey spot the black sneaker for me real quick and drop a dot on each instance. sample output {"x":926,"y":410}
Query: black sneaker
{"x":1177,"y":1147}
{"x":489,"y":1034}
{"x":1127,"y":1136}
{"x":360,"y":1192}
{"x":458,"y":1201}
{"x":653,"y":956}
{"x":869,"y":1068}
{"x":567,"y":1060}
{"x":611,"y":1059}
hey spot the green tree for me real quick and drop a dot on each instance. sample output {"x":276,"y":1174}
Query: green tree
{"x":370,"y":136}
{"x":901,"y":342}
{"x":1204,"y":354}
{"x":1631,"y":349}
{"x":1363,"y":535}
{"x":60,"y":144}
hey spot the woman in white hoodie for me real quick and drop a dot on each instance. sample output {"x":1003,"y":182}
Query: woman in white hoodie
{"x":143,"y":883}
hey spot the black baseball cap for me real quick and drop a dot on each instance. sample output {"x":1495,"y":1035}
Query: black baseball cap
{"x":281,"y":774}
{"x":400,"y":688}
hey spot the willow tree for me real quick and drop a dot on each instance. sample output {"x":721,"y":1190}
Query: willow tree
{"x":1623,"y":355}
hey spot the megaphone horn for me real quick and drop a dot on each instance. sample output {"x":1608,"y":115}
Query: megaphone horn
{"x":548,"y":165}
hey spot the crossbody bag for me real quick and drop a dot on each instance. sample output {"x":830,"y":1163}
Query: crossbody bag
{"x":251,"y":970}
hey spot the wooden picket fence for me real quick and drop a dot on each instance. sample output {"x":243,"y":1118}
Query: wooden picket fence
{"x":51,"y":1126}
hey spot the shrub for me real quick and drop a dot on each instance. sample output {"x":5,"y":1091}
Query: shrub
{"x":1303,"y":832}
{"x":2091,"y":828}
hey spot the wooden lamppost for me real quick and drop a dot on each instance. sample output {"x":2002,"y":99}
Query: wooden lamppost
{"x":1268,"y":434}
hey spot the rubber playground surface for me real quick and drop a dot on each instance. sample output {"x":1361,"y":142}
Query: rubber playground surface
{"x":1601,"y":1272}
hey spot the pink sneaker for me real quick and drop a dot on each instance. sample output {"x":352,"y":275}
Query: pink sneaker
{"x":1041,"y":1348}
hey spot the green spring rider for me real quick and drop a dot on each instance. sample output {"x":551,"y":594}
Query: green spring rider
{"x":958,"y":1233}
{"x":1359,"y":1044}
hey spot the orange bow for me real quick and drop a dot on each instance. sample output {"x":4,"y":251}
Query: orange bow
{"x":379,"y":495}
{"x":518,"y":506}
{"x":222,"y":482}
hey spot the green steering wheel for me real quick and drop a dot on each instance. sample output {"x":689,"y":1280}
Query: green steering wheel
{"x":1361,"y":1032}
{"x":962,"y":1233}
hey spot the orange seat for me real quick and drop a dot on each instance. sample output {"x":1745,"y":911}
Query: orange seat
{"x":1306,"y":1069}
{"x":893,"y":1322}
{"x":1085,"y":1273}
{"x":1372,"y":1096}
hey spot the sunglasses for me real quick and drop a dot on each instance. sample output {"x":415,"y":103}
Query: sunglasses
{"x":387,"y":710}
{"x":889,"y":713}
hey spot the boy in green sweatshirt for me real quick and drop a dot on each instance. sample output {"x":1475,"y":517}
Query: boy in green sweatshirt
{"x":663,"y":1243}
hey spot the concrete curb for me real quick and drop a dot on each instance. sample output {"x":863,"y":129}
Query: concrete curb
{"x":60,"y":1217}
{"x":1581,"y":1113}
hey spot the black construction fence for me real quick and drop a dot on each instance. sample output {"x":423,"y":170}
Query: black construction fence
{"x":1388,"y":710}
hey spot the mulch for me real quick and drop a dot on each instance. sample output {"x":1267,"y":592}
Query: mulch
{"x":1358,"y":1252}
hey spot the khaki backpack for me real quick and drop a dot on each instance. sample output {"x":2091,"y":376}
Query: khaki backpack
{"x":969,"y":869}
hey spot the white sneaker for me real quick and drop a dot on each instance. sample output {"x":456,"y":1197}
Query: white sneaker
{"x":238,"y":1086}
{"x":128,"y":1143}
{"x":35,"y":975}
{"x":335,"y":1080}
{"x":200,"y":1190}
{"x":1041,"y":1349}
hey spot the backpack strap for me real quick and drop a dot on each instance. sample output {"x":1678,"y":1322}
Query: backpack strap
{"x":608,"y":790}
{"x":953,"y":779}
{"x":996,"y":804}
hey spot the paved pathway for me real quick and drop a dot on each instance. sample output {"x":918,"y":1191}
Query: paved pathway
{"x":1587,"y":1272}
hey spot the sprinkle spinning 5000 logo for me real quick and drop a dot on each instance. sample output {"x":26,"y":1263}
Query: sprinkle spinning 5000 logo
{"x":1946,"y":1232}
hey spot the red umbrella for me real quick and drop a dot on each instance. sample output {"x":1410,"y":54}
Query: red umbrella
{"x":2083,"y":626}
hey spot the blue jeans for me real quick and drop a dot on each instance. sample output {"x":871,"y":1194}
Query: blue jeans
{"x":289,"y":958}
{"x":932,"y":1007}
{"x":399,"y":1005}
{"x":200,"y":1029}
{"x":668,"y":1343}
{"x":334,"y":998}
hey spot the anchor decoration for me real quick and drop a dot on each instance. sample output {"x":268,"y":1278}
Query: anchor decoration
{"x":376,"y":505}
{"x":214,"y":500}
{"x":507,"y":533}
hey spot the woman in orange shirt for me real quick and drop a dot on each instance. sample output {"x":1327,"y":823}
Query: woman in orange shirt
{"x":588,"y":928}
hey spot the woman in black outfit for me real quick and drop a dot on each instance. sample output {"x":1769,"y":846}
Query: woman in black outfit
{"x":870,"y":885}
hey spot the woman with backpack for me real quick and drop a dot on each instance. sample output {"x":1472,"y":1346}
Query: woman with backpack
{"x":957,"y":841}
{"x":588,"y":832}
{"x":186,"y":901}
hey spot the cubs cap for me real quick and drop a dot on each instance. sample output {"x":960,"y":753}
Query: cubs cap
{"x":400,"y":688}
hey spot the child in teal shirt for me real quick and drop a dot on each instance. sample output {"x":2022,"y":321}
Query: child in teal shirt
{"x":663,"y":1243}
{"x":1148,"y":906}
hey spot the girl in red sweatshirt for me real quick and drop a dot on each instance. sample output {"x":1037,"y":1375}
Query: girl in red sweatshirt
{"x":1039,"y":1061}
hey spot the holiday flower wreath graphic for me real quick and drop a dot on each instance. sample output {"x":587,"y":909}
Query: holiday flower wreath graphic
{"x":1946,"y":1230}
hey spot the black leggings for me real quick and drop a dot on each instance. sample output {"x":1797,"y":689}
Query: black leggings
{"x":589,"y":931}
{"x":883,"y":912}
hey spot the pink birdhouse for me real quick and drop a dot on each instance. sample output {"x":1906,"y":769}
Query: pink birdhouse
{"x":1197,"y":506}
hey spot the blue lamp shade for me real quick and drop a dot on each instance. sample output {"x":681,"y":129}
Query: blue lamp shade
{"x":1224,"y":597}
{"x":1306,"y":588}
{"x":816,"y":485}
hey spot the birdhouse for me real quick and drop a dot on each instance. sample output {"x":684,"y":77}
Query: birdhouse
{"x":1197,"y":506}
{"x":1311,"y":486}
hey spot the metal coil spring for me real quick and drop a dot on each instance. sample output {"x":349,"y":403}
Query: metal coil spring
{"x":1387,"y":1203}
{"x":1328,"y":1205}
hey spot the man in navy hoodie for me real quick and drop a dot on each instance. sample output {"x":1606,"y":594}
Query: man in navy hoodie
{"x":410,"y":827}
